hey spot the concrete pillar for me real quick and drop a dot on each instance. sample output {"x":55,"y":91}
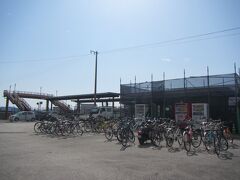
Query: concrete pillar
{"x":113,"y":103}
{"x":78,"y":106}
{"x":47,"y":105}
{"x":6,"y":111}
{"x":51,"y":106}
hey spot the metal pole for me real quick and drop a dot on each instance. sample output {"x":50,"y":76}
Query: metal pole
{"x":208,"y":85}
{"x":237,"y":123}
{"x":95,"y":87}
{"x":164,"y":95}
{"x":78,"y":106}
{"x":95,"y":84}
{"x":6,"y":110}
{"x":152,"y":110}
{"x":184,"y":77}
{"x":135,"y":85}
{"x":47,"y":105}
{"x":184,"y":86}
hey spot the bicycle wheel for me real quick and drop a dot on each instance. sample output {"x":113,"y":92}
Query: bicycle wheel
{"x":223,"y":143}
{"x":43,"y":128}
{"x":228,"y":136}
{"x":52,"y":129}
{"x":87,"y":126}
{"x":119,"y":135}
{"x":217,"y":145}
{"x":196,"y":139}
{"x":169,"y":138}
{"x":109,"y":134}
{"x":77,"y":130}
{"x":208,"y":141}
{"x":70,"y":128}
{"x":187,"y":142}
{"x":131,"y":136}
{"x":58,"y":130}
{"x":66,"y":129}
{"x":124,"y":137}
{"x":37,"y":127}
{"x":157,"y":139}
{"x":180,"y":138}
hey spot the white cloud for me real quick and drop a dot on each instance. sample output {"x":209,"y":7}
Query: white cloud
{"x":166,"y":59}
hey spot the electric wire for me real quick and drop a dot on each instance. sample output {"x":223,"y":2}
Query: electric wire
{"x":170,"y":41}
{"x":181,"y":40}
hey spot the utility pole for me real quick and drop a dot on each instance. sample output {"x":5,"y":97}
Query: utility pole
{"x":208,"y":86}
{"x":95,"y":84}
{"x":164,"y":99}
{"x":237,"y":125}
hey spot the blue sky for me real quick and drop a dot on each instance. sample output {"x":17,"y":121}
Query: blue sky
{"x":47,"y":32}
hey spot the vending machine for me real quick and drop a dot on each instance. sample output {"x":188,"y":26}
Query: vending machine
{"x":182,"y":111}
{"x":199,"y":111}
{"x":141,"y":110}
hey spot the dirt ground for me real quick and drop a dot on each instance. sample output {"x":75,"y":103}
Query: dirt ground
{"x":25,"y":156}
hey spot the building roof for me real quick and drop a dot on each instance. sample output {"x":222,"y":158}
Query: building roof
{"x":86,"y":96}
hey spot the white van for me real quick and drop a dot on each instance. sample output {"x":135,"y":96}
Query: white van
{"x":106,"y":112}
{"x":23,"y":116}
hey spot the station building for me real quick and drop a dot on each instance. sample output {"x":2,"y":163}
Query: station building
{"x":215,"y":97}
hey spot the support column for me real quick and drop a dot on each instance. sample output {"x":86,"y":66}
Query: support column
{"x":209,"y":100}
{"x":164,"y":98}
{"x":113,"y":103}
{"x":237,"y":121}
{"x":47,"y":105}
{"x":51,"y":106}
{"x":78,"y":106}
{"x":6,"y":111}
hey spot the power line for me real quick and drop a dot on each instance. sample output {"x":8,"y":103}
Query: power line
{"x":182,"y":40}
{"x":170,"y":41}
{"x":195,"y":40}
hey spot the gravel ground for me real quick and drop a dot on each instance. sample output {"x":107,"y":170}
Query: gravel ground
{"x":25,"y":155}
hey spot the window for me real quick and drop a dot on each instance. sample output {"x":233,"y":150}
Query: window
{"x":102,"y":110}
{"x":109,"y":110}
{"x":94,"y":111}
{"x":24,"y":113}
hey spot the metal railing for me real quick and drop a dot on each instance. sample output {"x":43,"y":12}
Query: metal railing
{"x":61,"y":104}
{"x":31,"y":93}
{"x":25,"y":103}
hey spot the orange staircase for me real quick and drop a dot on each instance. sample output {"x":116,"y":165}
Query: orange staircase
{"x":62,"y":105}
{"x":16,"y":97}
{"x":18,"y":101}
